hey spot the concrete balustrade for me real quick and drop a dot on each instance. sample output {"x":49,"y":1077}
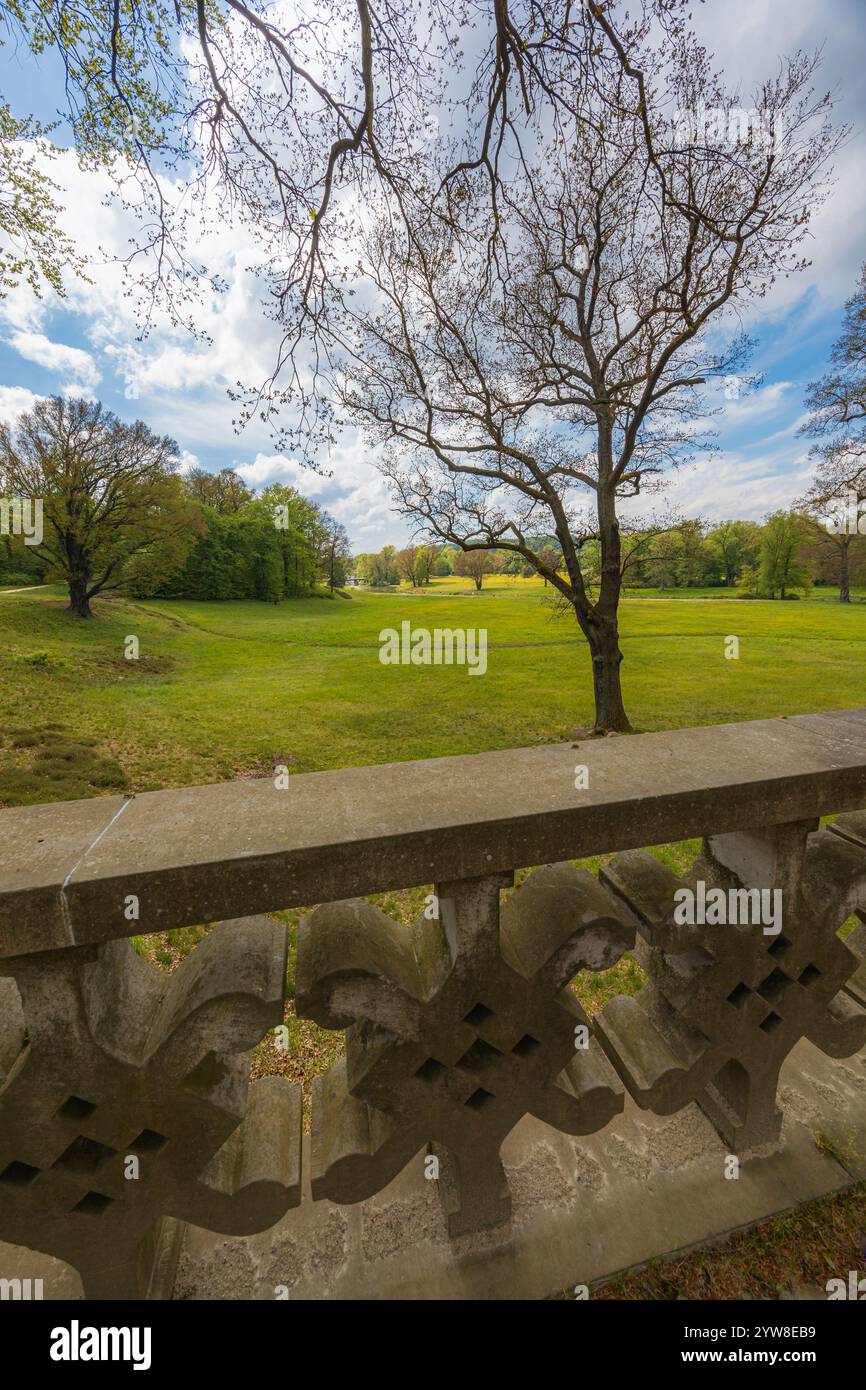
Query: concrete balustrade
{"x":457,"y":1027}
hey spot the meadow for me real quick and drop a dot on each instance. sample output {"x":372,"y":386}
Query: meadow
{"x":221,"y":690}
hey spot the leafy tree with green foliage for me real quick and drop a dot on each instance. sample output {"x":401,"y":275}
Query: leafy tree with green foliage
{"x":19,"y":564}
{"x":335,"y":552}
{"x":416,"y":564}
{"x":737,"y":544}
{"x":273,"y":546}
{"x":109,"y":491}
{"x":298,"y":523}
{"x":225,"y":491}
{"x":378,"y":568}
{"x":673,"y":556}
{"x":782,"y":570}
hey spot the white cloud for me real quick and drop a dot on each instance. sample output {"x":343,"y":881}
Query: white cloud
{"x":75,"y":364}
{"x":756,"y":405}
{"x":352,"y":490}
{"x":266,"y":469}
{"x":14,"y":400}
{"x":731,"y":485}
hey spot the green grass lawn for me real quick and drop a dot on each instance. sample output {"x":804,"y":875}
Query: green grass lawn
{"x":220,"y":689}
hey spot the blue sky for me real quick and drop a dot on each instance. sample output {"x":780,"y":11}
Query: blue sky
{"x":88,"y":344}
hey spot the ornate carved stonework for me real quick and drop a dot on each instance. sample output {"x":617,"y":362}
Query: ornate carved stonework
{"x":106,"y":1059}
{"x":457,"y":1027}
{"x":727,"y":1002}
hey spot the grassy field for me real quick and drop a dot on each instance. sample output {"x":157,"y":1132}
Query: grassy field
{"x":223,"y":689}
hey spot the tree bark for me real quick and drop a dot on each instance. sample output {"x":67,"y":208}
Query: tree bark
{"x":603,"y":638}
{"x":844,"y":573}
{"x":79,"y":603}
{"x":602,"y":632}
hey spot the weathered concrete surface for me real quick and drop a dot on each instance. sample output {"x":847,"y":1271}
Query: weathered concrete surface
{"x":59,"y":1281}
{"x":127,"y":1100}
{"x":38,"y":850}
{"x":725,"y":1007}
{"x":205,"y":853}
{"x":459,"y":1027}
{"x":584,"y":1208}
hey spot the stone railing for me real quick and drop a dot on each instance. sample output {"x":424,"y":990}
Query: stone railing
{"x":457,"y":1026}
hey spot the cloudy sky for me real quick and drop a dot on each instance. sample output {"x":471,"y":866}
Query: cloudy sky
{"x":89,"y":343}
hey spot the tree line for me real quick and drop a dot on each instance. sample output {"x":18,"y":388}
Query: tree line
{"x":115,"y":514}
{"x":780,"y":558}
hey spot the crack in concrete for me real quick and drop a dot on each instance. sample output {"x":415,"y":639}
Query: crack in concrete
{"x":64,"y":902}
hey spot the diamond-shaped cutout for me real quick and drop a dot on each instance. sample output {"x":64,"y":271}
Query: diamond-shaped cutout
{"x":479,"y":1099}
{"x":479,"y":1053}
{"x":76,"y":1109}
{"x":83,"y":1156}
{"x":480,"y":1014}
{"x":93,"y":1203}
{"x":19,"y":1174}
{"x":526,"y":1046}
{"x":148,"y":1142}
{"x":429,"y":1070}
{"x":809,"y":976}
{"x":780,"y":948}
{"x":771,"y":1023}
{"x":738,"y":996}
{"x":774,"y":986}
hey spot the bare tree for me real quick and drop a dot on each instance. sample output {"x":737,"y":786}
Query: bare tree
{"x":832,"y":506}
{"x":574,"y":375}
{"x":837,"y":422}
{"x":291,"y":119}
{"x":474,"y":564}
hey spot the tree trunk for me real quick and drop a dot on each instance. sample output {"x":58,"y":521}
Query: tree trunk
{"x":478,"y":583}
{"x":610,"y":715}
{"x":844,"y":575}
{"x":601,"y":624}
{"x":79,"y":603}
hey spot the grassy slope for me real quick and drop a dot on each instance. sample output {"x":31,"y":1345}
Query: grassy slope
{"x":221,"y":688}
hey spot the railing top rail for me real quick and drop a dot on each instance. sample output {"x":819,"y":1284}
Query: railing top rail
{"x":202,"y":854}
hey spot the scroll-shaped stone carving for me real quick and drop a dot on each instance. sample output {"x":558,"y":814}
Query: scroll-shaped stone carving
{"x":727,"y":1002}
{"x":853,"y":828}
{"x":105,"y":1059}
{"x":457,"y":1027}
